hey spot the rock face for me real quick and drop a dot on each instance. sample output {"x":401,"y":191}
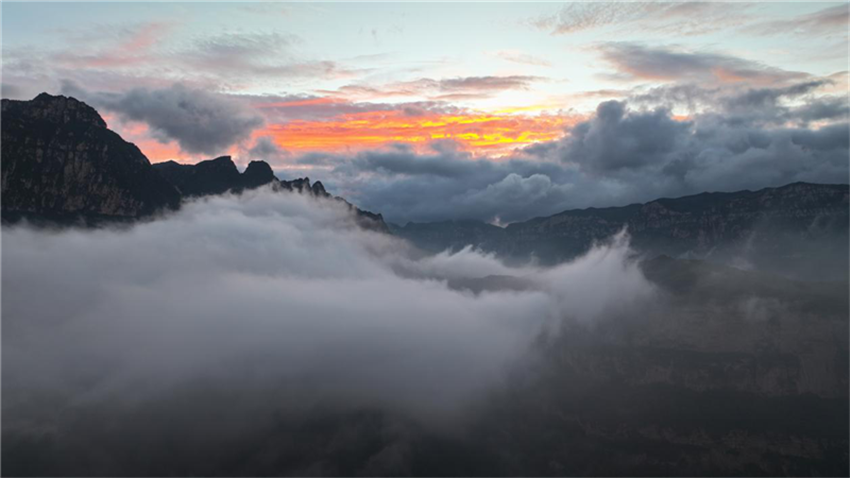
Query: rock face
{"x":769,"y":229}
{"x":61,"y":162}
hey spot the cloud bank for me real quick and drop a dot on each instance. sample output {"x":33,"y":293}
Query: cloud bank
{"x":238,"y":309}
{"x":628,"y":151}
{"x":200,"y":121}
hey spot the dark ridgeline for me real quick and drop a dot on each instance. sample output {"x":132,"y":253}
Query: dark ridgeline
{"x":62,"y":165}
{"x":800,"y":227}
{"x":213,"y":176}
{"x":219,"y":175}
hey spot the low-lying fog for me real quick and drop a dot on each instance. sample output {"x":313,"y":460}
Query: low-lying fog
{"x":193,"y":332}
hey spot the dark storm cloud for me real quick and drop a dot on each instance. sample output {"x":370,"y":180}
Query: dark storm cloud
{"x":445,"y":183}
{"x":828,"y":138}
{"x":618,"y":156}
{"x":797,"y":104}
{"x":200,"y":121}
{"x":650,"y":150}
{"x":826,"y":108}
{"x":768,"y":97}
{"x":266,"y":149}
{"x":402,"y":161}
{"x":614,"y":140}
{"x":640,"y":62}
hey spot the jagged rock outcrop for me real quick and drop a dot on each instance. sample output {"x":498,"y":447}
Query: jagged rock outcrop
{"x":220,"y":175}
{"x":299,"y":185}
{"x":60,"y":162}
{"x":215,"y":176}
{"x":366,"y":219}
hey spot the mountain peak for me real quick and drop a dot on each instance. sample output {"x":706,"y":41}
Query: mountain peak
{"x":257,"y":174}
{"x":56,"y":109}
{"x":319,"y":189}
{"x":225,"y":162}
{"x":61,"y":162}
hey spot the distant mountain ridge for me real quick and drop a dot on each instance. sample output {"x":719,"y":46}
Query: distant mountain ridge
{"x":798,"y":223}
{"x":61,"y":164}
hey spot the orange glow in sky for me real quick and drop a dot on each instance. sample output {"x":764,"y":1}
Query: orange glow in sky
{"x":477,"y":132}
{"x":493,"y":134}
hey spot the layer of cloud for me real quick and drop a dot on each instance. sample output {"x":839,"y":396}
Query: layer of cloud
{"x":247,"y":55}
{"x":200,"y":121}
{"x":265,"y":149}
{"x":713,"y":151}
{"x":520,"y":57}
{"x":829,"y":21}
{"x":266,"y":305}
{"x":624,"y":153}
{"x":640,"y":62}
{"x":443,"y":89}
{"x":679,"y":18}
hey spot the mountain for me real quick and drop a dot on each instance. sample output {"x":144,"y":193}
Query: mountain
{"x":61,"y":164}
{"x":215,"y":176}
{"x":220,"y":175}
{"x":800,"y":229}
{"x":60,"y":161}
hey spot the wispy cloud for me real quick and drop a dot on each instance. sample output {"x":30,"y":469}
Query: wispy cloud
{"x":469,"y":87}
{"x":520,"y":57}
{"x":681,"y":18}
{"x":640,"y":62}
{"x":132,"y":45}
{"x":829,"y":21}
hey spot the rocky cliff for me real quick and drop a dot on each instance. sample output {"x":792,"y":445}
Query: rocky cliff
{"x":61,"y":162}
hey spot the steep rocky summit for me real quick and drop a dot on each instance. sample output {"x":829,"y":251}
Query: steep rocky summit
{"x":220,"y":175}
{"x":61,"y":162}
{"x":215,"y":176}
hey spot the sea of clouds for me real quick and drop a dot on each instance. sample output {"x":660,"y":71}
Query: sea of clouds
{"x":268,"y":302}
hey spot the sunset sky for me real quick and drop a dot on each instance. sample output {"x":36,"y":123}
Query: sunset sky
{"x":431,"y":111}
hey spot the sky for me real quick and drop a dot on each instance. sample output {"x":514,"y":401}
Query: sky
{"x":434,"y":111}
